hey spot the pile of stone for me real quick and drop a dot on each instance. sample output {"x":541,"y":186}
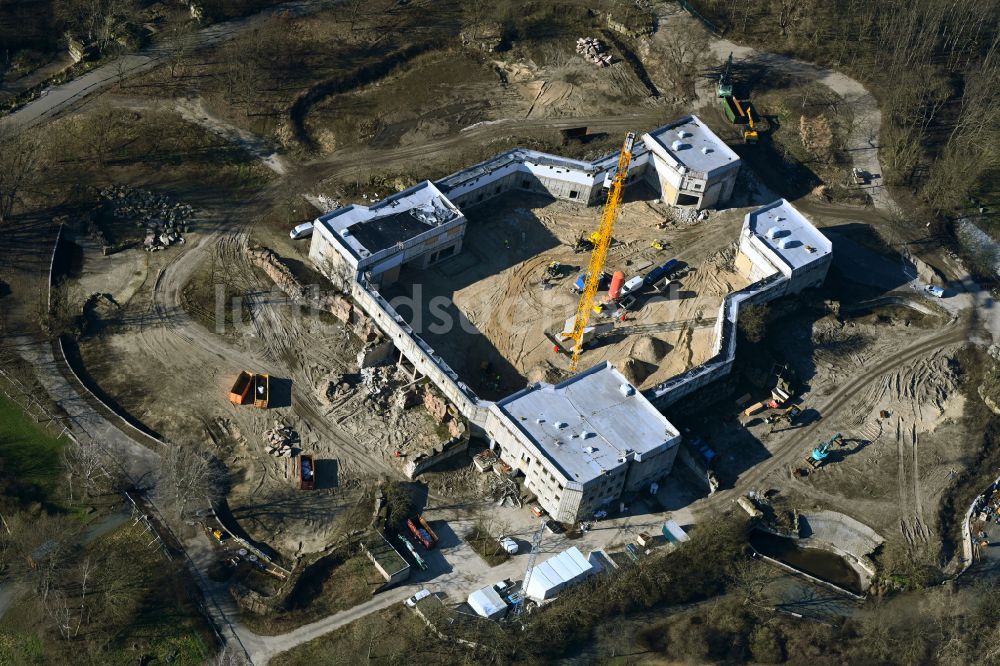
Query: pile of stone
{"x":337,"y":387}
{"x":378,"y":379}
{"x":164,"y":220}
{"x":279,"y":440}
{"x":595,"y":51}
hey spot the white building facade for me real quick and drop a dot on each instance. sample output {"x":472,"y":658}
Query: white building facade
{"x":583,"y":443}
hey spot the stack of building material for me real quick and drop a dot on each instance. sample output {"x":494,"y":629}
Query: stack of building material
{"x":279,"y":441}
{"x":594,"y":50}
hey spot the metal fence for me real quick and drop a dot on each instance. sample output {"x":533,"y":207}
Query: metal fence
{"x":25,"y":398}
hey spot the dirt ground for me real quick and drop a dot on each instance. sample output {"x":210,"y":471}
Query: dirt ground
{"x":158,"y":362}
{"x":489,"y":304}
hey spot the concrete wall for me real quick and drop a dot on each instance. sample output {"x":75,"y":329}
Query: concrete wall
{"x":667,"y":393}
{"x":424,"y":461}
{"x":653,"y":466}
{"x":531,"y":171}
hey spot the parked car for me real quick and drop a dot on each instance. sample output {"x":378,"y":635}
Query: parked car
{"x":304,"y":230}
{"x":537,"y":510}
{"x":859,"y":176}
{"x":421,"y":594}
{"x":936,"y":292}
{"x":509,"y":545}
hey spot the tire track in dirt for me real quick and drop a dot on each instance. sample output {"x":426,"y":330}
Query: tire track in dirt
{"x":841,"y":397}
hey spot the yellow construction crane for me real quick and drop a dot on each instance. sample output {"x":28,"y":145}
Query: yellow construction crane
{"x":600,"y":252}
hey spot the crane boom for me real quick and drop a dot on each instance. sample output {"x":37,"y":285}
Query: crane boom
{"x":536,"y":545}
{"x":600,"y":252}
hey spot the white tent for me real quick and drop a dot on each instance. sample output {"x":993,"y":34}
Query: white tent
{"x":488,"y":603}
{"x":555,"y":574}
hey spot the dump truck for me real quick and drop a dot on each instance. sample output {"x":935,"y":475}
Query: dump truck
{"x":307,"y":472}
{"x":240,"y":393}
{"x":422,"y":532}
{"x":261,"y":391}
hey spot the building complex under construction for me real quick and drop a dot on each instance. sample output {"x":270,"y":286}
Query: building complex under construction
{"x":582,"y":442}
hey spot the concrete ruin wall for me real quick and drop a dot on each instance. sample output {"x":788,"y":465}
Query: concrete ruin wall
{"x":420,"y":354}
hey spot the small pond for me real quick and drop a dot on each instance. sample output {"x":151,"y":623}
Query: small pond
{"x":821,"y":564}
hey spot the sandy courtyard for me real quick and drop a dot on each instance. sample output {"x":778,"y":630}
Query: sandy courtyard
{"x":491,"y":315}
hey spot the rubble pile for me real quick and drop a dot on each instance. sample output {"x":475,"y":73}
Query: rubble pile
{"x":503,"y":491}
{"x":377,"y":383}
{"x":279,"y":440}
{"x":338,"y":387}
{"x":164,"y":220}
{"x":677,"y":215}
{"x":595,"y":51}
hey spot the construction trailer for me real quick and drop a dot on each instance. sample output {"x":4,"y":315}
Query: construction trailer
{"x":488,"y":603}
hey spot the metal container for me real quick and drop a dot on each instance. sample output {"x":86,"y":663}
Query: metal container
{"x":617,"y":281}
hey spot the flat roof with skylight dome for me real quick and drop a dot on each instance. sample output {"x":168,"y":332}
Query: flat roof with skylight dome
{"x":788,"y":234}
{"x":690,"y":143}
{"x":590,"y":423}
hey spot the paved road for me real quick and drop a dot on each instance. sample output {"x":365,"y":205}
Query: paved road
{"x":71,"y":94}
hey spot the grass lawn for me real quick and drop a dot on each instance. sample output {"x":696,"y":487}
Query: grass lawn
{"x":29,"y":454}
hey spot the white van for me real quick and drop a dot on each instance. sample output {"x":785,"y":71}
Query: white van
{"x":304,"y":230}
{"x":630,"y":286}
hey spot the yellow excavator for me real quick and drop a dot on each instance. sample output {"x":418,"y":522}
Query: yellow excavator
{"x":749,"y":132}
{"x":602,"y":242}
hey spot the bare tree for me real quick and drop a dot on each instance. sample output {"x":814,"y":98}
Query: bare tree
{"x":21,"y":159}
{"x":684,"y":55}
{"x":99,"y":22}
{"x":187,"y":477}
{"x":89,"y":467}
{"x":750,"y":579}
